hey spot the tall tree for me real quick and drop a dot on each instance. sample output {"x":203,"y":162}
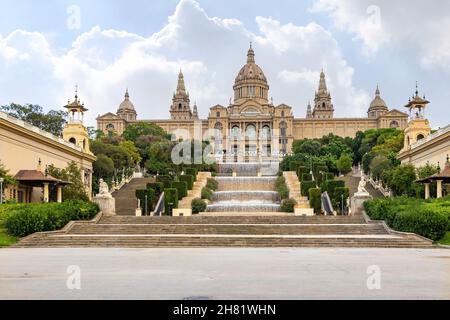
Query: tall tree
{"x":52,"y":122}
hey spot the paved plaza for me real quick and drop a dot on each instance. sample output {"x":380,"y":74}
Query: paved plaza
{"x":224,"y":273}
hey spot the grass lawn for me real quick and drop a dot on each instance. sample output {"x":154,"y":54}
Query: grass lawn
{"x":5,"y":239}
{"x":446,"y":239}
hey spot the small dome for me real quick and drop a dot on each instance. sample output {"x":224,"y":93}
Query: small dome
{"x":251,"y":71}
{"x":378,"y":102}
{"x":126,"y":104}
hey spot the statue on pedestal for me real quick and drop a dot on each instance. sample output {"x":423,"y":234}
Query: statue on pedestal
{"x":362,"y":185}
{"x":104,"y":190}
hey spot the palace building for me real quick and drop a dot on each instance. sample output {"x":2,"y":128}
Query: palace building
{"x":251,"y":124}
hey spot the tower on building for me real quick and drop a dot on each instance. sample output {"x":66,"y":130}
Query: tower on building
{"x":378,"y":106}
{"x":181,"y":109}
{"x":323,"y":108}
{"x":309,"y":114}
{"x":126,"y":109}
{"x":74,"y":131}
{"x":418,"y":126}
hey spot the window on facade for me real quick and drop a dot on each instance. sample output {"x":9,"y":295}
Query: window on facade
{"x":180,"y":106}
{"x":73,"y":140}
{"x":218,"y":114}
{"x":282,"y":113}
{"x":251,"y":131}
{"x":266,"y":132}
{"x":283,"y":129}
{"x":394,"y":125}
{"x":420,"y":137}
{"x":235,"y":131}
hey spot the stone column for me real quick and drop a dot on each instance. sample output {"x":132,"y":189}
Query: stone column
{"x":439,"y":189}
{"x":46,"y":192}
{"x":427,"y":191}
{"x":59,"y":194}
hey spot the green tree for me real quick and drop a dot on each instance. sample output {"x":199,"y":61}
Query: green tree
{"x":401,"y":180}
{"x":74,"y":191}
{"x":129,"y":147}
{"x":4,"y":173}
{"x":308,"y":147}
{"x":103,"y":166}
{"x":379,"y":165}
{"x":134,"y":131}
{"x":344,"y":164}
{"x":52,"y":122}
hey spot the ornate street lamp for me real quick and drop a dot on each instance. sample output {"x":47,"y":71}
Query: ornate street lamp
{"x":1,"y":190}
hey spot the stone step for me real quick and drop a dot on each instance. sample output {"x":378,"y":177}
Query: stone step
{"x":197,"y":229}
{"x":221,"y":241}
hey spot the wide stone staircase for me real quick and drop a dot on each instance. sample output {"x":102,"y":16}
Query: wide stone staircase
{"x":126,"y":202}
{"x":196,"y":192}
{"x":225,"y":231}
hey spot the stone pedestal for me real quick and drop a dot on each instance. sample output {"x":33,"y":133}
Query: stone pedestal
{"x":181,"y":212}
{"x":138,"y":212}
{"x":304,"y":212}
{"x":357,"y":202}
{"x":107,"y":205}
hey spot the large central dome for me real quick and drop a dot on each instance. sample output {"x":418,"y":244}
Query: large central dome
{"x":251,"y":83}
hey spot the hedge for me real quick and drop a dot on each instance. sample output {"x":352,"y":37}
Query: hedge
{"x":165,"y":180}
{"x":294,"y":165}
{"x":23,"y":220}
{"x":315,"y":200}
{"x":329,"y":176}
{"x":336,"y":199}
{"x":321,"y":178}
{"x":170,"y":196}
{"x":157,"y":186}
{"x":151,"y":199}
{"x":192,"y":172}
{"x":288,"y":205}
{"x":212,"y":184}
{"x":307,"y":177}
{"x":198,"y":205}
{"x":428,"y":218}
{"x":207,"y":194}
{"x":181,"y":186}
{"x":305,"y":186}
{"x":282,"y":188}
{"x":188,"y":179}
{"x":300,"y":171}
{"x":331,"y":185}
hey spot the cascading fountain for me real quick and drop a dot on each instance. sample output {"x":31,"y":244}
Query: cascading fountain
{"x":247,"y":190}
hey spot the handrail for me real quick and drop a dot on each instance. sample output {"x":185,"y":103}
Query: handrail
{"x":160,"y":207}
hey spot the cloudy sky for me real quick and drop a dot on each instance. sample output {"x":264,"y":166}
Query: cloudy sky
{"x":105,"y":46}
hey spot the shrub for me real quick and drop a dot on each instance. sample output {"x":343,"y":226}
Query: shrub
{"x":339,"y":194}
{"x":321,"y":174}
{"x":157,"y":186}
{"x":315,"y":200}
{"x":165,"y":180}
{"x":170,"y":197}
{"x":282,"y":188}
{"x":329,"y":176}
{"x":331,"y":185}
{"x":424,"y":221}
{"x":288,"y":205}
{"x":427,"y":218}
{"x":300,"y":171}
{"x":307,"y":177}
{"x":181,"y":186}
{"x":26,"y":219}
{"x":305,"y":186}
{"x":150,"y":196}
{"x":207,"y":194}
{"x":198,"y":205}
{"x":212,"y":184}
{"x":294,"y":165}
{"x":192,"y":172}
{"x":188,"y":179}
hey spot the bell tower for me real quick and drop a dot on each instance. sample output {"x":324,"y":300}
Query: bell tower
{"x":418,"y":126}
{"x":323,"y":108}
{"x":181,"y":109}
{"x":74,"y":131}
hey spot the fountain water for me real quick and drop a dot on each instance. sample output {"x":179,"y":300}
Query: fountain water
{"x":249,"y":191}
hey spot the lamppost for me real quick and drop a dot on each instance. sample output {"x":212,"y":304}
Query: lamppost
{"x":170,"y":208}
{"x":1,"y":190}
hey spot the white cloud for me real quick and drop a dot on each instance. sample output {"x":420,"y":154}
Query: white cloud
{"x":210,"y":51}
{"x":418,"y":27}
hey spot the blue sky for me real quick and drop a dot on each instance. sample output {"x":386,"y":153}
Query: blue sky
{"x":142,"y":44}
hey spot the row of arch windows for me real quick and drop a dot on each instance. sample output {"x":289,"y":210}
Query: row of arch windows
{"x":251,"y":91}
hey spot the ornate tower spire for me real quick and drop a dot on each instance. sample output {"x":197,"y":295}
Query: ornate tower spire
{"x":181,"y":89}
{"x":309,"y":114}
{"x":322,"y":83}
{"x":251,"y":55}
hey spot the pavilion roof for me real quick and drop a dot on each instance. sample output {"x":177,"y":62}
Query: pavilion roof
{"x":444,"y":175}
{"x":37,"y":177}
